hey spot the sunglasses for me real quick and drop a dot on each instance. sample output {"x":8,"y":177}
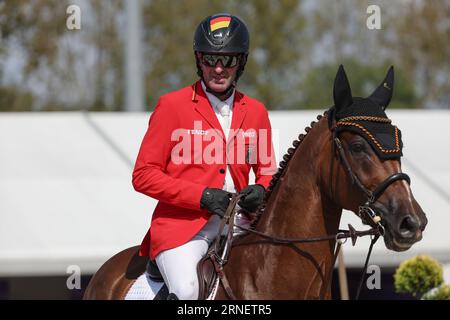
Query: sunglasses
{"x":211,"y":60}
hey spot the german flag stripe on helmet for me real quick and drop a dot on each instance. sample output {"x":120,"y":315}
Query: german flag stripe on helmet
{"x":219,"y":22}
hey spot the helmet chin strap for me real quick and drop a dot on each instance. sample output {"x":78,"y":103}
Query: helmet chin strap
{"x":222,"y":95}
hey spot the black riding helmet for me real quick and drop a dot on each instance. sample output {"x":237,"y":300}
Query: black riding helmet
{"x":222,"y":33}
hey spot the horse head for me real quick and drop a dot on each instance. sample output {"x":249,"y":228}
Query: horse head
{"x":369,"y":148}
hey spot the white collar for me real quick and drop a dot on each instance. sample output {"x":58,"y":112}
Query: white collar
{"x":215,"y":102}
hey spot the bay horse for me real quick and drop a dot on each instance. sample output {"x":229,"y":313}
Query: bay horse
{"x":349,"y":158}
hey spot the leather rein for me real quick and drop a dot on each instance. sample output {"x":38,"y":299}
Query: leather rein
{"x":366,"y":212}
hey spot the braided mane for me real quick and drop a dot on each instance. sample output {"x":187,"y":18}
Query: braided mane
{"x":282,"y":167}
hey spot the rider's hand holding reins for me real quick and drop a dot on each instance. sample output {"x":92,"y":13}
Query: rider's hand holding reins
{"x":252,"y":197}
{"x":215,"y":200}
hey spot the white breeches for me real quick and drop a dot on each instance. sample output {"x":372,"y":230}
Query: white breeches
{"x":178,"y":266}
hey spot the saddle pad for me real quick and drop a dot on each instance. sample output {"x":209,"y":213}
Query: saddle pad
{"x":144,"y":288}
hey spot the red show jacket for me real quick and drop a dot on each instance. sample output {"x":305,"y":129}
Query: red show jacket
{"x":184,"y":116}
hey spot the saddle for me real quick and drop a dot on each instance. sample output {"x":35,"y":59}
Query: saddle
{"x":210,"y":267}
{"x":206,"y":272}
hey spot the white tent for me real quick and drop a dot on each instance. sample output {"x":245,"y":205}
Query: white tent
{"x":66,"y":196}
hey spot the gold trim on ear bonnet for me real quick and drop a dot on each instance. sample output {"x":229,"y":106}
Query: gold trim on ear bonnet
{"x":366,"y":116}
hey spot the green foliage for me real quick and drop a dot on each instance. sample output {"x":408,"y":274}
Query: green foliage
{"x":54,"y":56}
{"x":36,"y":26}
{"x":275,"y":43}
{"x":295,"y":49}
{"x":441,"y":293}
{"x":14,"y":99}
{"x":418,"y":275}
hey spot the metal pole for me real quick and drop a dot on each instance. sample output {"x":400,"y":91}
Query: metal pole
{"x":343,"y":285}
{"x":133,"y":64}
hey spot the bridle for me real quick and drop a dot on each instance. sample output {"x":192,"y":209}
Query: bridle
{"x":366,"y":212}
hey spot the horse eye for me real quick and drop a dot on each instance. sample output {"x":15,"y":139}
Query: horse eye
{"x":357,"y":147}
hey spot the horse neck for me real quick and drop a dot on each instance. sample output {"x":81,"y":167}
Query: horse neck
{"x":300,"y":205}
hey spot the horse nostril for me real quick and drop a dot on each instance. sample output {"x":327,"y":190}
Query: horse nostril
{"x":408,"y":226}
{"x":424,"y":223}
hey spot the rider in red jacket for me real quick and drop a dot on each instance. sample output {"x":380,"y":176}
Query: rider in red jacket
{"x":199,"y":148}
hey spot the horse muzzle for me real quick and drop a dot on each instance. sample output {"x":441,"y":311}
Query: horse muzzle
{"x":402,"y":233}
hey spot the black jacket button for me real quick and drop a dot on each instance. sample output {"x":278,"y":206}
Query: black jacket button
{"x":222,"y":170}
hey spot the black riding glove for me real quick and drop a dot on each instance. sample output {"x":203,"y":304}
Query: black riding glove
{"x":253,"y":196}
{"x":215,"y":200}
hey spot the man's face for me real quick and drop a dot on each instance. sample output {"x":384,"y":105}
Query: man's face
{"x":218,"y":78}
